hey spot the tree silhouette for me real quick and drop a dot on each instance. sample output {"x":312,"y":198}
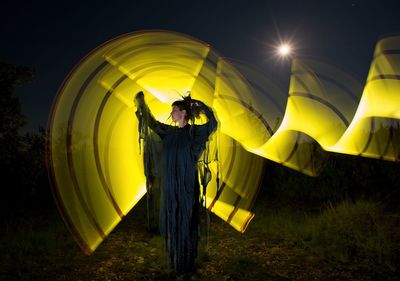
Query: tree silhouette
{"x":11,"y":143}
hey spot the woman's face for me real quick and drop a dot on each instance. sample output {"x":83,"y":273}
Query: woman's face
{"x":177,"y":114}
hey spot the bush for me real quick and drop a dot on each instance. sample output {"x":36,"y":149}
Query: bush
{"x":358,"y":232}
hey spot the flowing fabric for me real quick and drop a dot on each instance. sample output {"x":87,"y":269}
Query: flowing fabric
{"x":180,"y":189}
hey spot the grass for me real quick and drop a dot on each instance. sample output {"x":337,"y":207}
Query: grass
{"x":360,"y":235}
{"x":282,"y":225}
{"x":357,"y":232}
{"x":348,"y":241}
{"x":28,"y":243}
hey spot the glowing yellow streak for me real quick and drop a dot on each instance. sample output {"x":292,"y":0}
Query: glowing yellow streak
{"x":95,"y":159}
{"x":96,"y":104}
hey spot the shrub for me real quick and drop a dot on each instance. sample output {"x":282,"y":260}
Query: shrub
{"x":358,"y":232}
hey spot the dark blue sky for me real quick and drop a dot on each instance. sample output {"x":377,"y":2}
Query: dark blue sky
{"x":51,"y":37}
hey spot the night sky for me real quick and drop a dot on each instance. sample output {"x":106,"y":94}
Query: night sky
{"x":52,"y":37}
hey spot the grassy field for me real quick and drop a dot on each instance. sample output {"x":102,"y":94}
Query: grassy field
{"x":350,"y":241}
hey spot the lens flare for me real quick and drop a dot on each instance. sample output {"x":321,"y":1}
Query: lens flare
{"x":284,"y":50}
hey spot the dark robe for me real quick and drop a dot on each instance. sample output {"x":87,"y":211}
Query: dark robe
{"x":179,"y":202}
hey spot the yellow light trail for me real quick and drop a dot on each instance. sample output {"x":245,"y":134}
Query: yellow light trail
{"x":94,"y":156}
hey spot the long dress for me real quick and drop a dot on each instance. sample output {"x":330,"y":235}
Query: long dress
{"x":179,"y":202}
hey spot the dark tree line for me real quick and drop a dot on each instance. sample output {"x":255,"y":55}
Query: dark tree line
{"x":22,"y":156}
{"x":343,"y":178}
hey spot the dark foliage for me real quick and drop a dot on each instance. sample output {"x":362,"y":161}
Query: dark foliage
{"x":343,"y":177}
{"x":22,"y":157}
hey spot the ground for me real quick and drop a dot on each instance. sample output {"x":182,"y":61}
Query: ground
{"x":45,"y":250}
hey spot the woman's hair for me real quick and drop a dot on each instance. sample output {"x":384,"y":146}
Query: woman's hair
{"x":192,"y":109}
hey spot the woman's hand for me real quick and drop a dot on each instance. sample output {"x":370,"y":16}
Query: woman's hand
{"x":139,"y":99}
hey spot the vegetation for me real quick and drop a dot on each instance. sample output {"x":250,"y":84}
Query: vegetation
{"x":349,"y":241}
{"x":22,"y":157}
{"x":342,"y":225}
{"x":358,"y":232}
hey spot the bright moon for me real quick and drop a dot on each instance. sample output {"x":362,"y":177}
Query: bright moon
{"x":284,"y":50}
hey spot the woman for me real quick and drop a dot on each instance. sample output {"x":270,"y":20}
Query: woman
{"x":182,"y":146}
